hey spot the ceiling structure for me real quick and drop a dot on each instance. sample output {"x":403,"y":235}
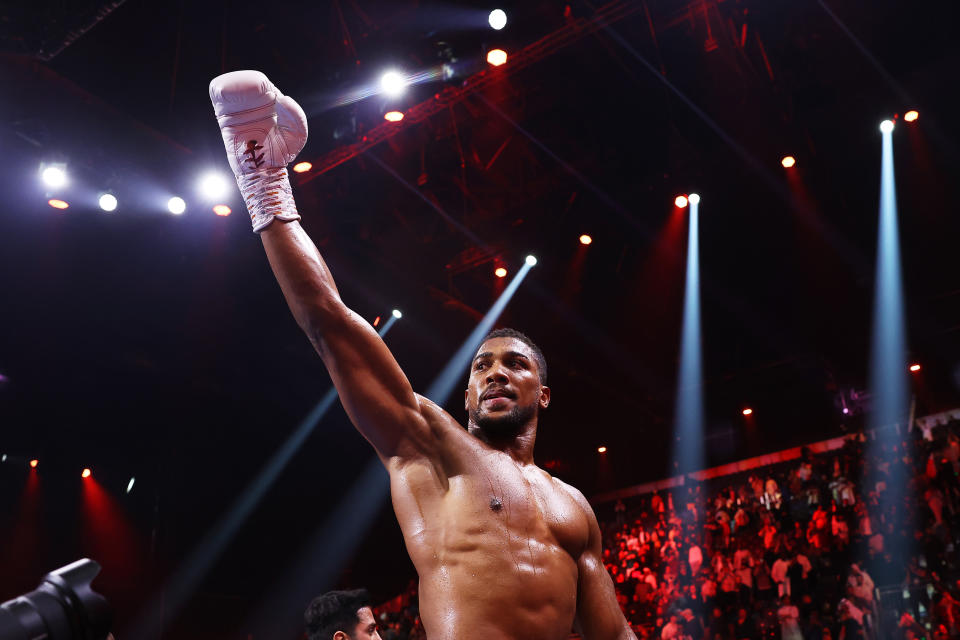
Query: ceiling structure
{"x":147,"y":345}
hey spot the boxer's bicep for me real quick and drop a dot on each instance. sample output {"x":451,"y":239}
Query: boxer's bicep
{"x":598,"y":613}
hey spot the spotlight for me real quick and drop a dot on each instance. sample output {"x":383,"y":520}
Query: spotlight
{"x":58,"y":204}
{"x":497,"y":57}
{"x":54,"y":176}
{"x":108,"y":202}
{"x":500,"y":272}
{"x":213,"y":186}
{"x":497,"y":19}
{"x":601,"y":449}
{"x":176,"y":205}
{"x":886,"y":126}
{"x":130,"y":485}
{"x":3,"y":458}
{"x":221,"y":210}
{"x":532,"y":261}
{"x":788,"y":161}
{"x":392,"y":83}
{"x":748,"y":411}
{"x":846,"y":411}
{"x":397,"y":314}
{"x":302,"y":167}
{"x":34,"y":463}
{"x":911,"y":116}
{"x":85,"y":473}
{"x":393,"y":116}
{"x":680,"y":201}
{"x":915,"y":367}
{"x":585,"y":239}
{"x":693,"y":198}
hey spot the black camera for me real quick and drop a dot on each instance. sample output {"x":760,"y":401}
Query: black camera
{"x":63,"y":607}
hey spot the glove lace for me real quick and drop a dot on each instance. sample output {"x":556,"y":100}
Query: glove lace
{"x":268,"y":196}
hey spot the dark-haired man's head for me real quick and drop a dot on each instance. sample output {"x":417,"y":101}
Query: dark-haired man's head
{"x":507,"y":385}
{"x":341,"y":615}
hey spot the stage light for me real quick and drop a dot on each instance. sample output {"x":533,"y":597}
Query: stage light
{"x":3,"y":458}
{"x":748,"y":411}
{"x":601,"y":449}
{"x":500,"y":272}
{"x":497,"y":57}
{"x":846,"y":410}
{"x":532,"y":261}
{"x":57,"y":204}
{"x":788,"y":161}
{"x":130,"y":485}
{"x":886,"y":126}
{"x":376,"y":322}
{"x":680,"y":201}
{"x":302,"y":167}
{"x":221,"y":210}
{"x":54,"y":176}
{"x":34,"y":463}
{"x":910,"y":116}
{"x":392,"y":83}
{"x":397,"y":314}
{"x":213,"y":186}
{"x":108,"y":202}
{"x":85,"y":473}
{"x":393,"y":116}
{"x":497,"y":19}
{"x":176,"y":205}
{"x":914,"y":368}
{"x":585,"y":239}
{"x":693,"y":198}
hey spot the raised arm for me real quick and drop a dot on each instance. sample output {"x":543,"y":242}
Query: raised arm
{"x":598,"y":613}
{"x":374,"y":391}
{"x":263,"y":131}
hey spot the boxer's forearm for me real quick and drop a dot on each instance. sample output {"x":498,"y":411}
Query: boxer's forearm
{"x":304,"y":277}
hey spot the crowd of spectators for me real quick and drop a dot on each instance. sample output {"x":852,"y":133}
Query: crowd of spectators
{"x":852,"y":544}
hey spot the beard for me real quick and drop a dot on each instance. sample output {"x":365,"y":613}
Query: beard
{"x":506,"y":425}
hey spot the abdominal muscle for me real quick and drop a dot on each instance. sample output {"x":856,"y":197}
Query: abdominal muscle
{"x":485,"y":581}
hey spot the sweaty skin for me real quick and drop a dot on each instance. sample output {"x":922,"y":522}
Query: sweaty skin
{"x":504,"y":551}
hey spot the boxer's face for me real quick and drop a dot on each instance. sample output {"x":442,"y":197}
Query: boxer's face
{"x":504,"y":391}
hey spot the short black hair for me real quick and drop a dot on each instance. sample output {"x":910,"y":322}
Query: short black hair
{"x":525,"y":339}
{"x":335,"y":611}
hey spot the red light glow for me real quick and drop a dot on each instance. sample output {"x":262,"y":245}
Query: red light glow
{"x":34,"y":463}
{"x":376,"y":321}
{"x":500,"y":272}
{"x":681,"y":201}
{"x":497,"y":57}
{"x":86,"y":473}
{"x":585,"y":239}
{"x":748,"y":411}
{"x":601,"y":449}
{"x":910,"y":116}
{"x":915,"y":367}
{"x":302,"y":167}
{"x":57,"y":204}
{"x":393,"y":116}
{"x":788,"y":161}
{"x":222,"y":210}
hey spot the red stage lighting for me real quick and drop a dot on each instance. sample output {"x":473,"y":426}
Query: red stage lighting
{"x":85,"y":473}
{"x":302,"y":167}
{"x":680,"y":201}
{"x":497,"y":57}
{"x":788,"y":161}
{"x":748,"y":411}
{"x":910,"y":116}
{"x":500,"y":272}
{"x":34,"y":463}
{"x":585,"y":239}
{"x":221,"y":210}
{"x":601,"y":449}
{"x":57,"y":204}
{"x":376,"y":321}
{"x":393,"y":116}
{"x":915,"y":367}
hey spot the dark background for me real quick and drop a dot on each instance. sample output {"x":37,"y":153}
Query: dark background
{"x":143,"y":344}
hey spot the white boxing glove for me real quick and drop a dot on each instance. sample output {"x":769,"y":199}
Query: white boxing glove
{"x":263,"y":131}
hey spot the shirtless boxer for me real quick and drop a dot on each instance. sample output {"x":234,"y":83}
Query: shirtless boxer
{"x":504,"y":551}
